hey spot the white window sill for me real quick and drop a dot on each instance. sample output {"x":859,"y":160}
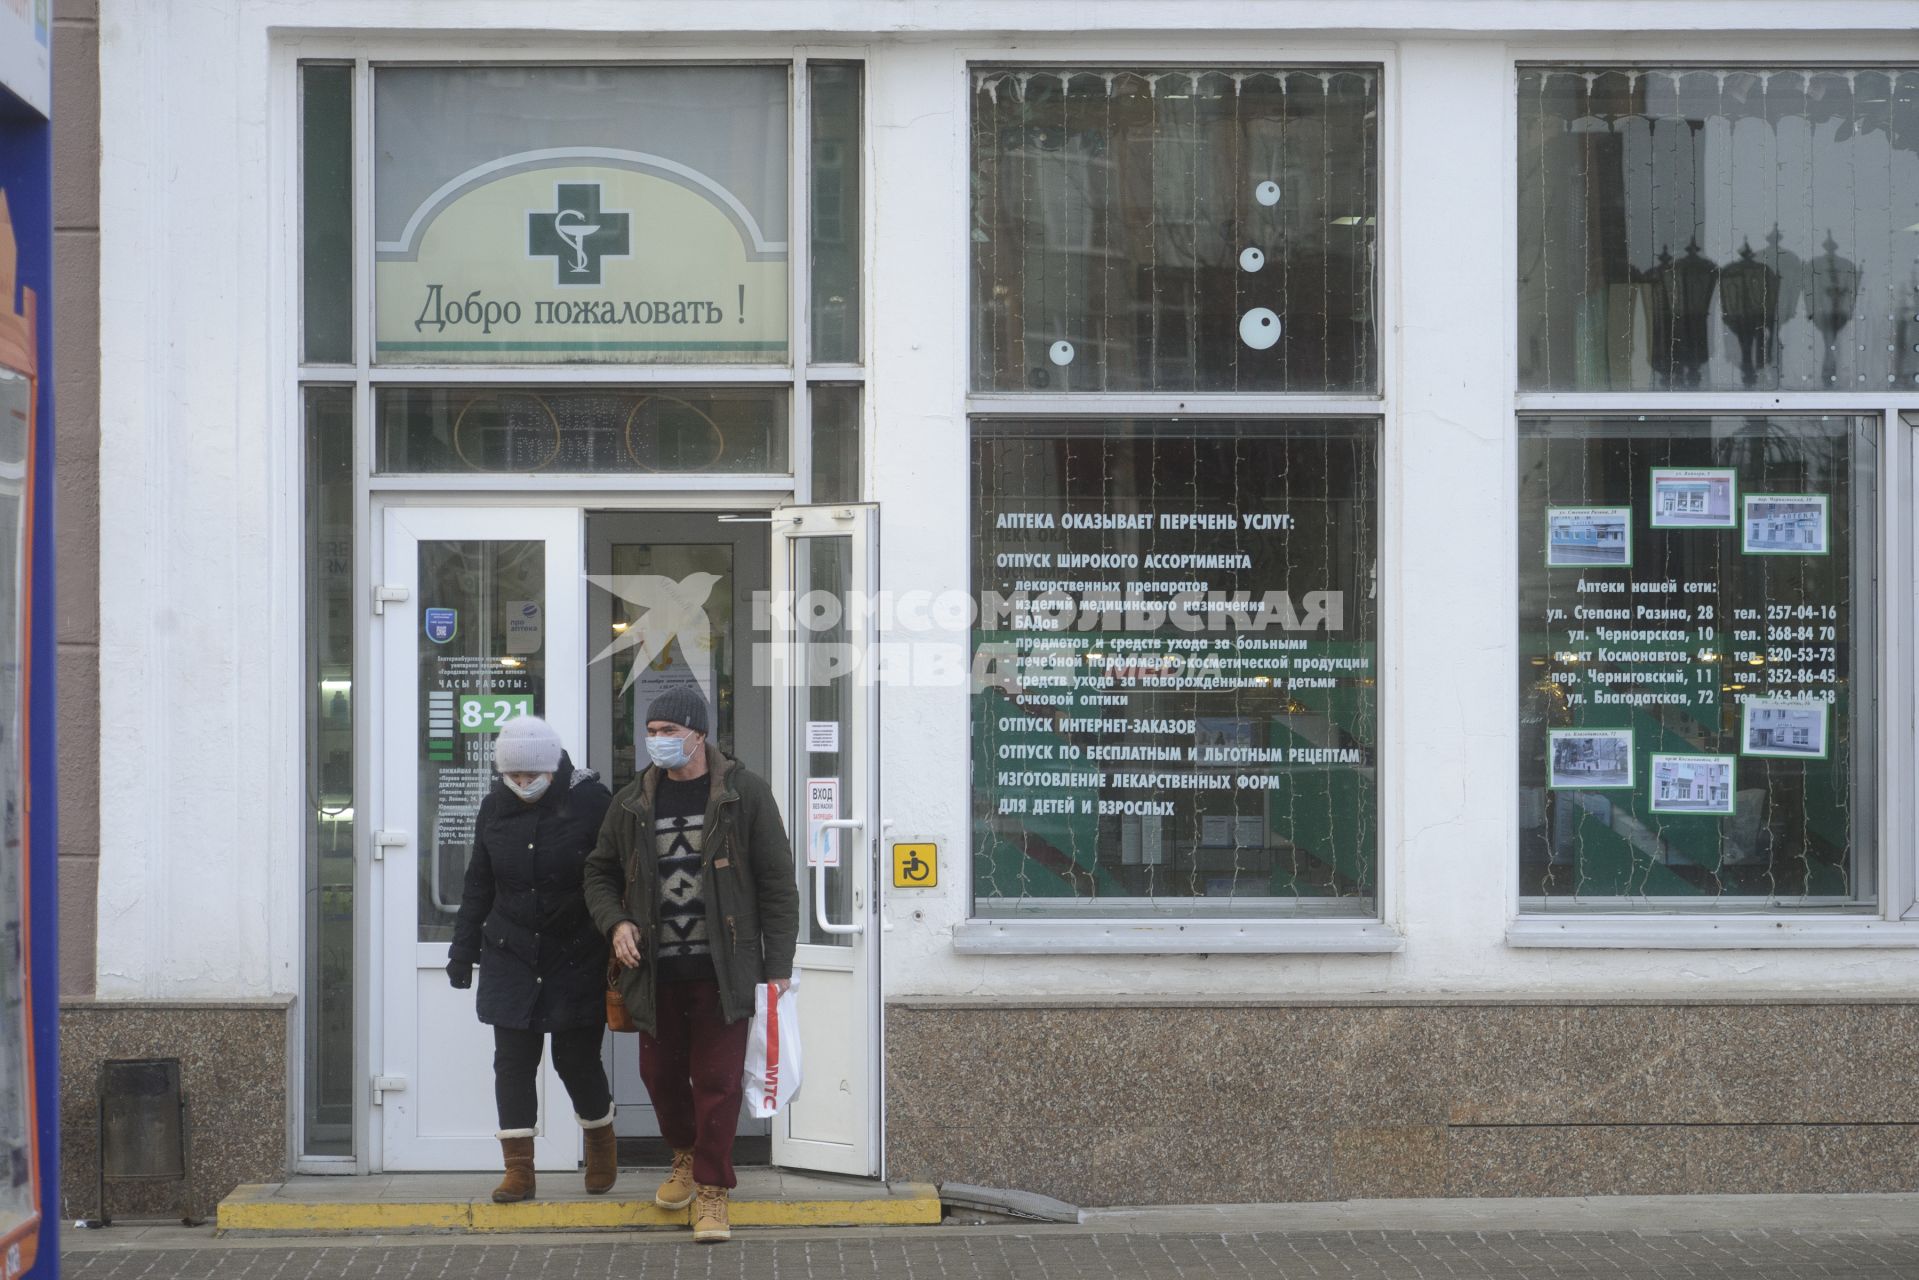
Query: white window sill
{"x":1175,"y":937}
{"x":1709,"y":933}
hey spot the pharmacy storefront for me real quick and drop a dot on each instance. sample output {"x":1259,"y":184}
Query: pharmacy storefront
{"x":675,"y":450}
{"x":1330,"y":611}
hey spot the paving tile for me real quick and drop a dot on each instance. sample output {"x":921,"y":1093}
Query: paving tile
{"x":1063,"y":1254}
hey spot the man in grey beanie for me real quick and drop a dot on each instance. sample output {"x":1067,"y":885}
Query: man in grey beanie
{"x":692,"y":883}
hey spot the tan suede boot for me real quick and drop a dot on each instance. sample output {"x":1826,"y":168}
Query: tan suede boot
{"x":516,"y":1145}
{"x":677,"y":1191}
{"x":602,"y":1154}
{"x":709,"y":1217}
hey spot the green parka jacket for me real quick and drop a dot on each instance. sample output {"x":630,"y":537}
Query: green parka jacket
{"x":752,"y":901}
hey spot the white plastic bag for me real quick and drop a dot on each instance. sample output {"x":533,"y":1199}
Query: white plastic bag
{"x":772,"y":1076}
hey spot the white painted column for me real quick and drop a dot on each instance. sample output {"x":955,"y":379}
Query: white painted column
{"x":190,"y":899}
{"x":917,"y":284}
{"x":1453,"y":575}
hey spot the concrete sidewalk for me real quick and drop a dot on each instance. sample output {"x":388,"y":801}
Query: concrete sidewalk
{"x":1895,"y":1214}
{"x":1865,"y":1237}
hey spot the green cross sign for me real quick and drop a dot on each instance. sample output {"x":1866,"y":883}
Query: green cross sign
{"x":578,"y":234}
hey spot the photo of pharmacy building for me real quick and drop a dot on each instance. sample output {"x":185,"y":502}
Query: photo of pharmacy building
{"x":1170,"y":501}
{"x":1782,"y":526}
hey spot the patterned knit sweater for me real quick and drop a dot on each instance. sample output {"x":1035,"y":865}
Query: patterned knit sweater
{"x":679,"y":815}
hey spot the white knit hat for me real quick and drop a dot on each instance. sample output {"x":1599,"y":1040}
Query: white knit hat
{"x":527,"y":745}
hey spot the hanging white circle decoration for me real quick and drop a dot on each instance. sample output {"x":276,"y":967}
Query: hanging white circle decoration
{"x":1259,"y":328}
{"x":1061,"y":352}
{"x":1251,"y":259}
{"x":1267,"y":192}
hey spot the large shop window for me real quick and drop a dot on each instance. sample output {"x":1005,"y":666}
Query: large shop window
{"x":543,"y":214}
{"x":1176,"y":708}
{"x":1708,"y":228}
{"x":1697,"y":629}
{"x":1174,"y":230}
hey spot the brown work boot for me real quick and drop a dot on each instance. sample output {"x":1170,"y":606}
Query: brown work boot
{"x":602,"y":1155}
{"x":709,"y":1217}
{"x":517,"y":1146}
{"x":677,"y":1191}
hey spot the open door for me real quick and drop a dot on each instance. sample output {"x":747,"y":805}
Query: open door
{"x":826,"y":768}
{"x":481,"y":612}
{"x":630,"y":556}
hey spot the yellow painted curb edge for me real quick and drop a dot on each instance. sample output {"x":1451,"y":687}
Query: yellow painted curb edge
{"x":253,"y":1208}
{"x":572,"y":1215}
{"x":257,"y":1212}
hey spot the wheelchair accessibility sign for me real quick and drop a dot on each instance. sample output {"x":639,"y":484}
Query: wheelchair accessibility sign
{"x":916,"y":866}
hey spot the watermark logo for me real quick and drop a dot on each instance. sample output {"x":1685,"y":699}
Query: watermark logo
{"x":668,"y":610}
{"x":1024,"y":641}
{"x":1017,"y":643}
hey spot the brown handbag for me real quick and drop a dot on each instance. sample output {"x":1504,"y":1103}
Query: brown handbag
{"x":618,"y":1017}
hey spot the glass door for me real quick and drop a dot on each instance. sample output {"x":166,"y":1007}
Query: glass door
{"x":819,"y":664}
{"x":482,"y":615}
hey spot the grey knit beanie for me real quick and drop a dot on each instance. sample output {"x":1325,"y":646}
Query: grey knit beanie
{"x":679,"y":705}
{"x":527,"y":745}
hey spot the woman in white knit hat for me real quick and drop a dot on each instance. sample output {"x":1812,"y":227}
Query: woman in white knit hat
{"x":543,"y":964}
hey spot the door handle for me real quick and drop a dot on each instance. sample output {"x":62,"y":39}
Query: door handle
{"x":819,"y":875}
{"x":439,"y":900}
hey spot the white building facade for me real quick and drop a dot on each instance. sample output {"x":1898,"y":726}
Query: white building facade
{"x":438,"y":348}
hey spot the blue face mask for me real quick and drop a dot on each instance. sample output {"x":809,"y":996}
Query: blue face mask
{"x":668,"y":752}
{"x":531,"y":791}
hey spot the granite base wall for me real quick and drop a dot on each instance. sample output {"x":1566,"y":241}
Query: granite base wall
{"x":1167,"y":1104}
{"x":233,"y":1068}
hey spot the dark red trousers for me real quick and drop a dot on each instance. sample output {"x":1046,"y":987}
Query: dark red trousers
{"x":692,"y":1068}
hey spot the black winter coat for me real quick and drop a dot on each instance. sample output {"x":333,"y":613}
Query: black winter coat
{"x":523,"y":916}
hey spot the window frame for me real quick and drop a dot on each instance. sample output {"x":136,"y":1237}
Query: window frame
{"x":1895,"y":923}
{"x":1223,"y":932}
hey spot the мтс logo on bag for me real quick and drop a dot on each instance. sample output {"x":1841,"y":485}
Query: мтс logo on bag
{"x":770,"y":1097}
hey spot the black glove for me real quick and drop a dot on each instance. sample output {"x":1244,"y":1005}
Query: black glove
{"x":460,"y":974}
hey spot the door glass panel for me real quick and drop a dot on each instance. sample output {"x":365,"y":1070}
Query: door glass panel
{"x":584,"y":431}
{"x":482,"y":661}
{"x":699,"y":653}
{"x":836,"y":441}
{"x":823,"y":727}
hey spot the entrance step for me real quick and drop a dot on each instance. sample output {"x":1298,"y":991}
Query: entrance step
{"x":386,"y":1204}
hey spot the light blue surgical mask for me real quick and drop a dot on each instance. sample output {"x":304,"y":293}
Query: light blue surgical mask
{"x":531,"y":791}
{"x":668,"y":751}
